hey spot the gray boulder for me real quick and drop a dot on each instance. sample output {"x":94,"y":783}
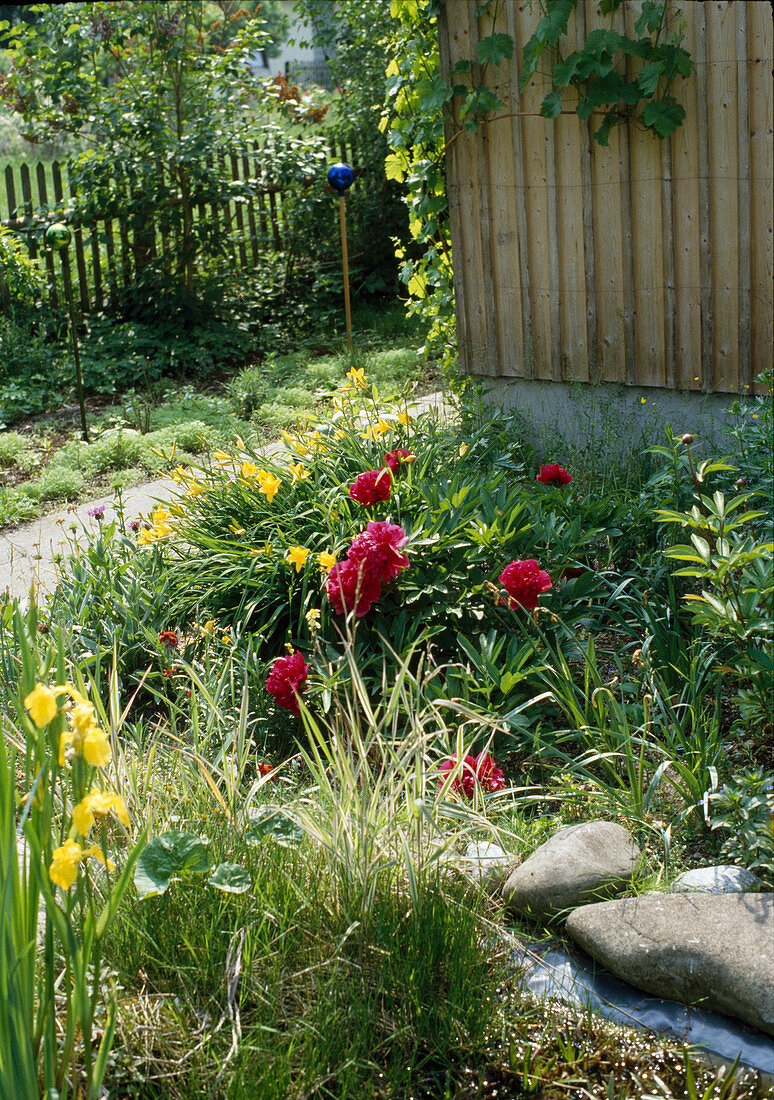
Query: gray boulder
{"x":487,"y":863}
{"x":717,"y":949}
{"x":723,"y":879}
{"x":580,"y":863}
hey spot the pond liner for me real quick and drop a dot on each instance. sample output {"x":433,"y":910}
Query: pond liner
{"x":549,"y":970}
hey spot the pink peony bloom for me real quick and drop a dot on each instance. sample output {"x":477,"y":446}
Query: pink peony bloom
{"x":524,"y":581}
{"x":372,"y":486}
{"x":553,"y":475}
{"x":286,"y":681}
{"x":377,"y":550}
{"x":399,"y":457}
{"x":481,"y":770}
{"x":350,"y":587}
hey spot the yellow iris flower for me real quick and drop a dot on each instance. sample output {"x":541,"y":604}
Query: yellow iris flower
{"x":42,"y":705}
{"x":98,"y":803}
{"x":67,"y":859}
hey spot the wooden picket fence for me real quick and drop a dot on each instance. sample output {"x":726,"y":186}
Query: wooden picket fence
{"x":108,"y":253}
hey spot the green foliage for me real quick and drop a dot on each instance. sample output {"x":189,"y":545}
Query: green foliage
{"x":140,"y":84}
{"x":592,"y":69}
{"x":743,"y":813}
{"x":20,"y":277}
{"x":55,"y":483}
{"x":33,"y":375}
{"x":12,"y":447}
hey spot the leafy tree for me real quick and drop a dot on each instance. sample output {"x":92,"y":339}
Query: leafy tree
{"x":151,"y":90}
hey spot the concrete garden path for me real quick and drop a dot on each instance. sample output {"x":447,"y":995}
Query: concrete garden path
{"x":29,"y":553}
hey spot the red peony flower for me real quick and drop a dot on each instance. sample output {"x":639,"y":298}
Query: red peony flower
{"x":350,"y":587}
{"x":488,"y":774}
{"x":377,"y":550}
{"x":524,"y":581}
{"x":481,"y":770}
{"x":554,"y":475}
{"x":465,"y":782}
{"x":169,"y":639}
{"x":399,"y":457}
{"x":286,"y":680}
{"x":372,"y":486}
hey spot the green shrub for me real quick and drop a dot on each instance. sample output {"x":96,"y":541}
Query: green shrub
{"x":16,"y":507}
{"x":56,"y":483}
{"x":12,"y":447}
{"x":113,"y":450}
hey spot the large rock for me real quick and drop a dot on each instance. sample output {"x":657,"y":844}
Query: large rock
{"x":487,"y":863}
{"x":714,"y":948}
{"x":726,"y":878}
{"x":579,"y":863}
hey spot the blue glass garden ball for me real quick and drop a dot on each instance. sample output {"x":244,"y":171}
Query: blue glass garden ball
{"x":57,"y":236}
{"x":340,"y":177}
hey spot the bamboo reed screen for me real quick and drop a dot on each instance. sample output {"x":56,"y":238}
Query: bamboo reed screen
{"x":648,"y":262}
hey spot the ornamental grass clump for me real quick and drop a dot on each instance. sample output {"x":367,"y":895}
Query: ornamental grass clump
{"x":64,"y":869}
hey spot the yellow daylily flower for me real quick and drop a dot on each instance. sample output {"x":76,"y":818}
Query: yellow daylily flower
{"x":227,"y":638}
{"x":42,"y":705}
{"x":326,"y":560}
{"x":357,"y":377}
{"x":196,"y":487}
{"x":339,"y":434}
{"x":98,"y":803}
{"x":233,"y":526}
{"x":249,"y":471}
{"x":222,"y":458}
{"x":297,"y":556}
{"x":269,"y":485}
{"x":464,"y":448}
{"x":404,"y":417}
{"x":299,"y":471}
{"x":382,"y":426}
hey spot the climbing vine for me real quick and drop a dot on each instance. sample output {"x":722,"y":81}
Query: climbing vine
{"x":420,"y":98}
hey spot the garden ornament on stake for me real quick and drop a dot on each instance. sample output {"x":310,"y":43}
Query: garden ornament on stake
{"x":340,"y":177}
{"x":58,"y":238}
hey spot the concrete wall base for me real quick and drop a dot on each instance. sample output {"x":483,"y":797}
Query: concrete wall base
{"x":607,"y":417}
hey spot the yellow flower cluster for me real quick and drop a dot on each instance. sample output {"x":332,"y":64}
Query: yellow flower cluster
{"x":267,"y":482}
{"x":160,"y":527}
{"x":84,"y":736}
{"x":67,"y":859}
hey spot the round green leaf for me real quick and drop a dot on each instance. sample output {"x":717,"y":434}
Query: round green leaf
{"x":230,"y":878}
{"x":168,"y":857}
{"x":272,"y":821}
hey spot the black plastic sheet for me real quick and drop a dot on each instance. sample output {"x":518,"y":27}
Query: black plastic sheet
{"x":554,"y":972}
